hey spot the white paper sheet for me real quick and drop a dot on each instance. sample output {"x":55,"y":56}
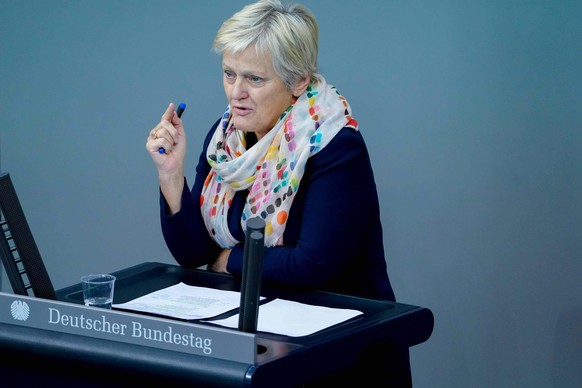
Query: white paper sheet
{"x":294,"y":319}
{"x":185,"y":302}
{"x":278,"y":316}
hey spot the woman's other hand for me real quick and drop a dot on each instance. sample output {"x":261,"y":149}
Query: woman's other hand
{"x":220,"y":263}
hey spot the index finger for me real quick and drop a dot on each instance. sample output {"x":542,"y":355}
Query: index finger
{"x":169,"y":113}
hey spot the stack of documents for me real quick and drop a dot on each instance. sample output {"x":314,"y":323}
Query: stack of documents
{"x":278,"y":316}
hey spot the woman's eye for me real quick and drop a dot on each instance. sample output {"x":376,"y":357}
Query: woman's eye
{"x":228,"y":74}
{"x":256,"y":80}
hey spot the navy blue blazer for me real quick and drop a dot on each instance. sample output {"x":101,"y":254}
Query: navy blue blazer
{"x":333,"y":240}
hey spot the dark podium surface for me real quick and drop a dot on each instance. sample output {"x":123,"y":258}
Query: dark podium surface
{"x":48,"y":357}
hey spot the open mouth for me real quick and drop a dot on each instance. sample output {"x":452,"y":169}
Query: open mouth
{"x":241,"y":111}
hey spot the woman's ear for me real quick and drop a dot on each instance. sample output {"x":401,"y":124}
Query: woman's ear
{"x":302,"y":84}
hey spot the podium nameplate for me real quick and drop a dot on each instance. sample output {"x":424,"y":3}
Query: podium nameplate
{"x":201,"y":340}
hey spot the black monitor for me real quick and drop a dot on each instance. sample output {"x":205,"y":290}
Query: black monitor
{"x":18,"y":251}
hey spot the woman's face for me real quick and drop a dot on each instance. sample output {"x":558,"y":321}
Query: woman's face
{"x":256,"y":94}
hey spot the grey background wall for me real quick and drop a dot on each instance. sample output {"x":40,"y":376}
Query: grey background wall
{"x":472,"y":111}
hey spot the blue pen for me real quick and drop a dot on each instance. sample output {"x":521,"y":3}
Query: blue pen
{"x":179,"y":112}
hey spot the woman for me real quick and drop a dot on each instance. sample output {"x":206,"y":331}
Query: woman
{"x":287,"y":150}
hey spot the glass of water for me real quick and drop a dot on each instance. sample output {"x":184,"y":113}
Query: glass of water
{"x":98,"y":290}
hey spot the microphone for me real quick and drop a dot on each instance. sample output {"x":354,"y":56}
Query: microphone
{"x":251,"y":275}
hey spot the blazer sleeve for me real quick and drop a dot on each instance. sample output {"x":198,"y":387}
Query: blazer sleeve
{"x":184,"y":232}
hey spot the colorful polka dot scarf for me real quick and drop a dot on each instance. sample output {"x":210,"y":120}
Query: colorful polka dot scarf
{"x":273,"y":167}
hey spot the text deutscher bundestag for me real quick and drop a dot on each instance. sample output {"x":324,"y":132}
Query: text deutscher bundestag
{"x":137,"y":330}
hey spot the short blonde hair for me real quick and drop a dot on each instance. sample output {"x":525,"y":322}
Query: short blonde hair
{"x":286,"y":32}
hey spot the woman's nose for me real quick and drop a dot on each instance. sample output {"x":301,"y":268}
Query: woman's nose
{"x":239,"y":89}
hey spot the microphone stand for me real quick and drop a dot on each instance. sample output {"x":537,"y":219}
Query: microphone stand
{"x":251,"y":275}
